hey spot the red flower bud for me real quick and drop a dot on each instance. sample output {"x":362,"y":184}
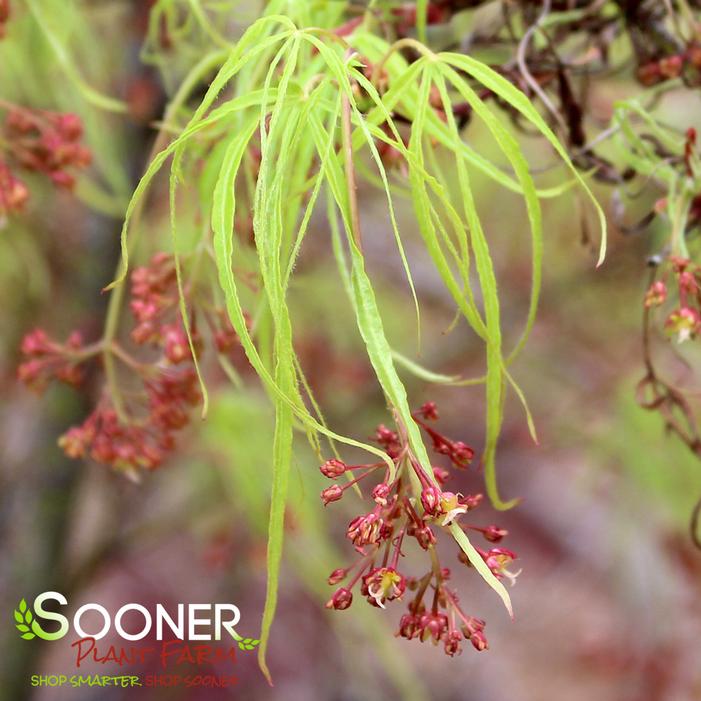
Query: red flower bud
{"x":432,"y":625}
{"x":408,"y":626}
{"x":494,"y":534}
{"x":70,"y":126}
{"x":472,"y":501}
{"x":333,"y":468}
{"x":452,"y":643}
{"x":331,"y":494}
{"x":425,"y":537}
{"x":431,"y":499}
{"x":656,"y":294}
{"x":461,"y":454}
{"x":177,"y":348}
{"x":429,"y":411}
{"x":341,"y":599}
{"x":479,"y":642}
{"x":338,"y":575}
{"x":380,"y":493}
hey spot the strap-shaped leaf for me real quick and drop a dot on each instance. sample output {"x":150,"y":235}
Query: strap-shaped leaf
{"x":480,"y":565}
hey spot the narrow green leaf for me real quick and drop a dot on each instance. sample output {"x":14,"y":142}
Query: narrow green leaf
{"x":502,"y":87}
{"x":423,"y":373}
{"x":481,"y":566}
{"x":91,"y":95}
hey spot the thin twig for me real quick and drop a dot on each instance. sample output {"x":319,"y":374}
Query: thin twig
{"x":665,"y":399}
{"x":525,"y":72}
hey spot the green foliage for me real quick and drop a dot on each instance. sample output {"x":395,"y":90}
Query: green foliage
{"x":52,"y":24}
{"x":644,"y":143}
{"x":304,"y":97}
{"x":302,"y":105}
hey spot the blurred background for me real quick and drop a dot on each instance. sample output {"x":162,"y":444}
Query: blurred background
{"x":607,"y":606}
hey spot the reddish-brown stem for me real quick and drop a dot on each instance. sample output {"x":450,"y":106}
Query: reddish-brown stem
{"x":398,"y":548}
{"x":358,"y":478}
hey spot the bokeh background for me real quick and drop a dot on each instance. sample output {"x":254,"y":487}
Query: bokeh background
{"x":607,"y":606}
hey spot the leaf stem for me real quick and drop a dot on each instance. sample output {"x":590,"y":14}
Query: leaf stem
{"x":350,"y":172}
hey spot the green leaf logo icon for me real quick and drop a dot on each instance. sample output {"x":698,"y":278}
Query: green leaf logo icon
{"x":248,"y":643}
{"x":23,"y":620}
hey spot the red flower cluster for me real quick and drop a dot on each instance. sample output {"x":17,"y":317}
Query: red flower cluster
{"x":684,"y":321}
{"x":444,"y":620}
{"x":398,"y":515}
{"x":47,"y":142}
{"x":143,"y":433}
{"x":48,"y":360}
{"x":39,"y":141}
{"x":154,"y":304}
{"x":140,"y":444}
{"x":153,"y":296}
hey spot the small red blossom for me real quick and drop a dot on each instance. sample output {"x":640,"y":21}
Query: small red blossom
{"x":333,"y":468}
{"x":175,"y":343}
{"x":656,"y":294}
{"x":684,"y":323}
{"x":431,"y":499}
{"x":47,"y":142}
{"x":106,"y":440}
{"x":408,"y":626}
{"x":424,"y":535}
{"x":494,"y":534}
{"x":338,"y":575}
{"x":383,"y":584}
{"x":432,"y":626}
{"x":47,"y":360}
{"x":365,"y":530}
{"x":479,"y":642}
{"x":429,"y":411}
{"x":341,"y":600}
{"x":498,"y":560}
{"x":381,"y":493}
{"x":331,"y":494}
{"x":452,"y":644}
